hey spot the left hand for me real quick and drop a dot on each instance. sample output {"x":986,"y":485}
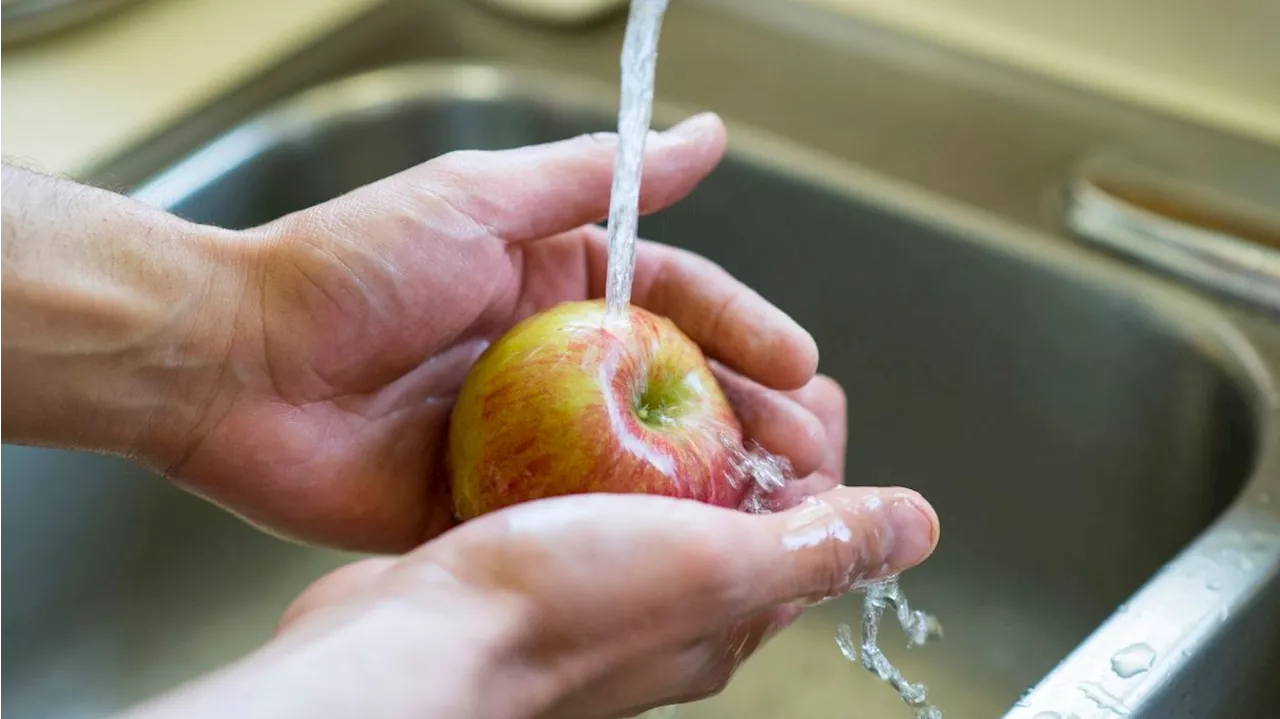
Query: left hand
{"x":357,"y":320}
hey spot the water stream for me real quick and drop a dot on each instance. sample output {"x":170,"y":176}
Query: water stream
{"x":635,"y":109}
{"x":638,"y":61}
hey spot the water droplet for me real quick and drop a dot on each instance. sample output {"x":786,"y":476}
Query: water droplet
{"x":1132,"y":660}
{"x":1260,"y":540}
{"x":1054,"y":715}
{"x":1213,"y":585}
{"x":1236,"y":559}
{"x":848,"y":645}
{"x":1022,"y":698}
{"x":1103,"y":698}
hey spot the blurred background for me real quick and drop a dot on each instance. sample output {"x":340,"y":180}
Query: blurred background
{"x":77,"y":96}
{"x":1036,"y":241}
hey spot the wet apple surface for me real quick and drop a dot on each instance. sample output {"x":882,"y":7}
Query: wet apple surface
{"x":573,"y":400}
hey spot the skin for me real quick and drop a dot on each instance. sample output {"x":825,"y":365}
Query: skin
{"x":301,"y":375}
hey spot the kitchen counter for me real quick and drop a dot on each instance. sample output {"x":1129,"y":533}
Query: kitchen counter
{"x":76,"y":98}
{"x":1210,"y":61}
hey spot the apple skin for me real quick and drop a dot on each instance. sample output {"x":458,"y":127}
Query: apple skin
{"x":573,"y":400}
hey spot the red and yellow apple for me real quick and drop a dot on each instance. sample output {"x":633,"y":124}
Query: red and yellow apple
{"x":574,"y":400}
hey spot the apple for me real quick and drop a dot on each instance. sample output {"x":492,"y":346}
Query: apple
{"x":574,"y":400}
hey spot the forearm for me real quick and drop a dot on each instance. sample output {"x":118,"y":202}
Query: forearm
{"x":381,"y":660}
{"x":115,"y":317}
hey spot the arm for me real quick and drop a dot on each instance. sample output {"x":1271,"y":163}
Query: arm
{"x":381,"y":659}
{"x":116,"y":318}
{"x":508,"y":617}
{"x":301,"y":373}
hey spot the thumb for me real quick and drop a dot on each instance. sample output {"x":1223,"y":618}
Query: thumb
{"x":532,"y":192}
{"x":832,"y":543}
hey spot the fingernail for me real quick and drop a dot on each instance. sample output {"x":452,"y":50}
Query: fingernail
{"x":914,"y":532}
{"x":691,"y":129}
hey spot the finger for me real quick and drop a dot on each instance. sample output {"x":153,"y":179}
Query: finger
{"x":730,"y":321}
{"x":532,"y":192}
{"x":826,"y":400}
{"x":701,"y":565}
{"x":781,"y":425}
{"x":830,"y":544}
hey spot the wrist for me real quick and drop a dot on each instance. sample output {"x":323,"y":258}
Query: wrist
{"x":117,"y":317}
{"x":187,"y":362}
{"x":385,"y":658}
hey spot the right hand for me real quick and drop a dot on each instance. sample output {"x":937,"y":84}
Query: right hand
{"x":609,"y":605}
{"x":580,"y":606}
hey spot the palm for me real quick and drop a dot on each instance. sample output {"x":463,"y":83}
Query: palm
{"x":369,"y":322}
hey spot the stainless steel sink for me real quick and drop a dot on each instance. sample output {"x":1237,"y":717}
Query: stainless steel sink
{"x":1099,"y":443}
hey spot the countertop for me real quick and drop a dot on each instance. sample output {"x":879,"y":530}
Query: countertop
{"x":74,"y":99}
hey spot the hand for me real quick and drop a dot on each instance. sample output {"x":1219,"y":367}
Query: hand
{"x":594,"y":605}
{"x":361,"y":316}
{"x":584,"y":606}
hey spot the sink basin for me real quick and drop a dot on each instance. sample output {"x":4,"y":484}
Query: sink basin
{"x":1099,"y":444}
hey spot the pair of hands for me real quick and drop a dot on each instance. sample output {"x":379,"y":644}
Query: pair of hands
{"x":308,"y":390}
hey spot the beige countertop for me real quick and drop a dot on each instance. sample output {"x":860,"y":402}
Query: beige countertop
{"x":1216,"y":62}
{"x":76,"y":98}
{"x":73,"y":99}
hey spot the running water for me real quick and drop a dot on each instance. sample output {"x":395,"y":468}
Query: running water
{"x":919,"y":628}
{"x":766,"y":472}
{"x":639,"y":56}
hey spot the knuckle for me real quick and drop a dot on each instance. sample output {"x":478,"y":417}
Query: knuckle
{"x":839,"y":565}
{"x":714,"y":680}
{"x":456,"y":160}
{"x":599,"y":137}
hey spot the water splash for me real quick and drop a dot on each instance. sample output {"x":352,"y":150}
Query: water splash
{"x":635,"y":109}
{"x":848,"y":645}
{"x":766,"y":473}
{"x":1024,"y":699}
{"x":1132,"y":660}
{"x":919,"y":628}
{"x":1095,"y":693}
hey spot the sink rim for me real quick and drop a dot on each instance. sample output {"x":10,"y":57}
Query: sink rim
{"x":1182,"y":311}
